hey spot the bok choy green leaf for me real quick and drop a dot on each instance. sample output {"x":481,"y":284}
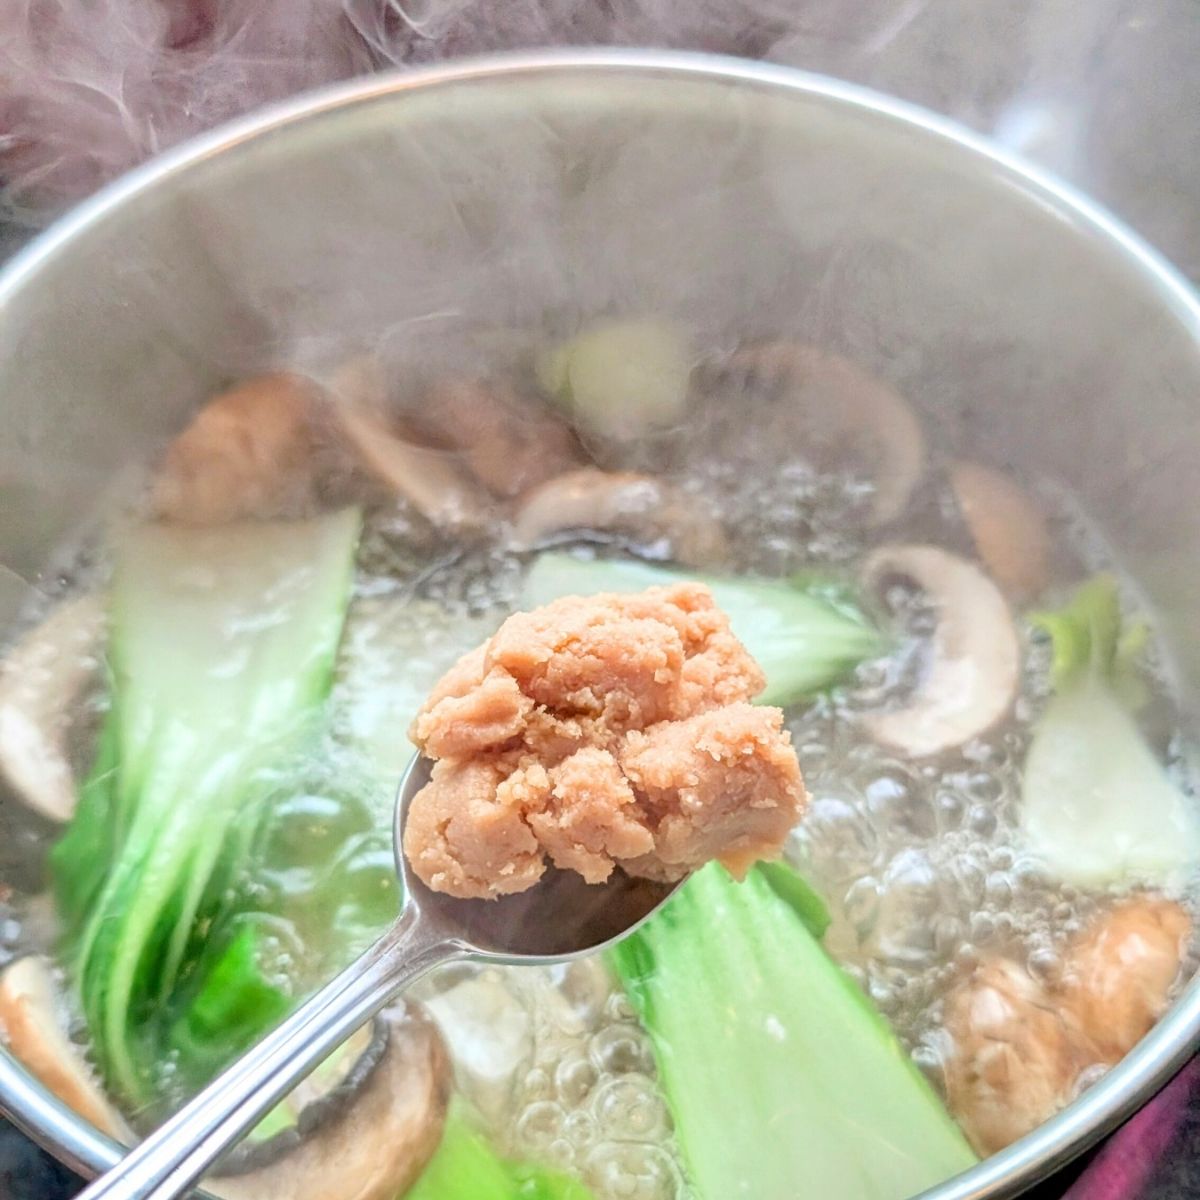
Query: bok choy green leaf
{"x":465,"y":1167}
{"x":781,"y":1077}
{"x":221,"y":655}
{"x":1097,"y":806}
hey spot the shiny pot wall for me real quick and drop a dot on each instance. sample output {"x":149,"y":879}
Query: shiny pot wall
{"x":421,"y":213}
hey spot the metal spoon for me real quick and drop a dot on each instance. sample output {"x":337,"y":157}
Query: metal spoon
{"x":558,"y":919}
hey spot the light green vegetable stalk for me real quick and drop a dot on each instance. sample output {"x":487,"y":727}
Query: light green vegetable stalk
{"x":1097,"y":806}
{"x":465,"y":1167}
{"x":621,"y":379}
{"x":221,"y":654}
{"x":803,"y":641}
{"x":782,"y":1079}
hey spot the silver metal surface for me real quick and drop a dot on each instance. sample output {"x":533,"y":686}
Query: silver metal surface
{"x":559,"y":919}
{"x":1026,"y":325}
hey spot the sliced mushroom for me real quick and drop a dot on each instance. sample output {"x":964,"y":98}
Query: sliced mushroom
{"x":32,"y":1026}
{"x":838,"y":403}
{"x":427,"y":477}
{"x":247,"y":453}
{"x":378,"y":1143}
{"x":621,"y":501}
{"x":41,"y":682}
{"x":1007,"y":527}
{"x":973,"y":662}
{"x":509,"y":444}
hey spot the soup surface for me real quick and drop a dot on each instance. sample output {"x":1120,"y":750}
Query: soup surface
{"x":999,"y":849}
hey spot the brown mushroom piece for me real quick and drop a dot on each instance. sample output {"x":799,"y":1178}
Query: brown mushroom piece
{"x":1118,"y":974}
{"x":1020,"y":1048}
{"x":971,"y":664}
{"x":247,"y":453}
{"x":1007,"y":527}
{"x":1017,"y":1053}
{"x":374,"y":1143}
{"x":838,"y":404}
{"x":42,"y":680}
{"x":509,"y":444}
{"x":31,"y":1022}
{"x":621,"y":502}
{"x":426,"y":476}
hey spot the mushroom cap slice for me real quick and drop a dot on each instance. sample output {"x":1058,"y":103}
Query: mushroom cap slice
{"x":427,"y":477}
{"x":41,"y":682}
{"x":509,"y":444}
{"x":624,"y":501}
{"x":838,"y":402}
{"x":1007,"y":527}
{"x":379,"y":1143}
{"x":31,"y":1023}
{"x":973,"y":670}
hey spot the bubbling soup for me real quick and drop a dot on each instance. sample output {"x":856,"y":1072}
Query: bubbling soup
{"x":988,"y":901}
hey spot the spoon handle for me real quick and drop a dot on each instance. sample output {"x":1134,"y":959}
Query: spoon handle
{"x":172,"y":1158}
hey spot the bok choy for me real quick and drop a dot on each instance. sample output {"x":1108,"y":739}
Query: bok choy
{"x":1097,"y":806}
{"x":781,"y":1078}
{"x":465,"y":1167}
{"x":221,"y":654}
{"x":803,"y":639}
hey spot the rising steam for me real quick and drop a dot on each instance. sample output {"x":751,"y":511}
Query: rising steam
{"x":89,"y":88}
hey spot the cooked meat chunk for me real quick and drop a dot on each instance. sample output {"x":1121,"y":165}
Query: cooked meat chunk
{"x":601,"y":731}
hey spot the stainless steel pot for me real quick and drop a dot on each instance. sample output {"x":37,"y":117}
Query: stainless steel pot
{"x":413,"y":210}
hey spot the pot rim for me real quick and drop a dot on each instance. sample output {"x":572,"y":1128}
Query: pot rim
{"x":1175,"y":1038}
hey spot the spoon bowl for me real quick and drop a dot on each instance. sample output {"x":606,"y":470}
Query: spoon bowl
{"x":560,"y":918}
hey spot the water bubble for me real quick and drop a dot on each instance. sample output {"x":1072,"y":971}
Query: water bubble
{"x":861,"y":905}
{"x":633,"y":1171}
{"x":539,"y":1125}
{"x":982,"y":820}
{"x":618,"y":1008}
{"x":985,"y":787}
{"x":574,"y":1078}
{"x":621,"y":1050}
{"x":579,"y":1128}
{"x":840,"y":841}
{"x":961,"y":879}
{"x":968,"y":957}
{"x":537,"y":1083}
{"x":1045,"y":966}
{"x":896,"y":800}
{"x":948,"y":935}
{"x":950,"y":810}
{"x":1001,"y":858}
{"x":909,"y":900}
{"x":998,"y":889}
{"x":587,"y":986}
{"x":630,"y":1109}
{"x":982,"y":929}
